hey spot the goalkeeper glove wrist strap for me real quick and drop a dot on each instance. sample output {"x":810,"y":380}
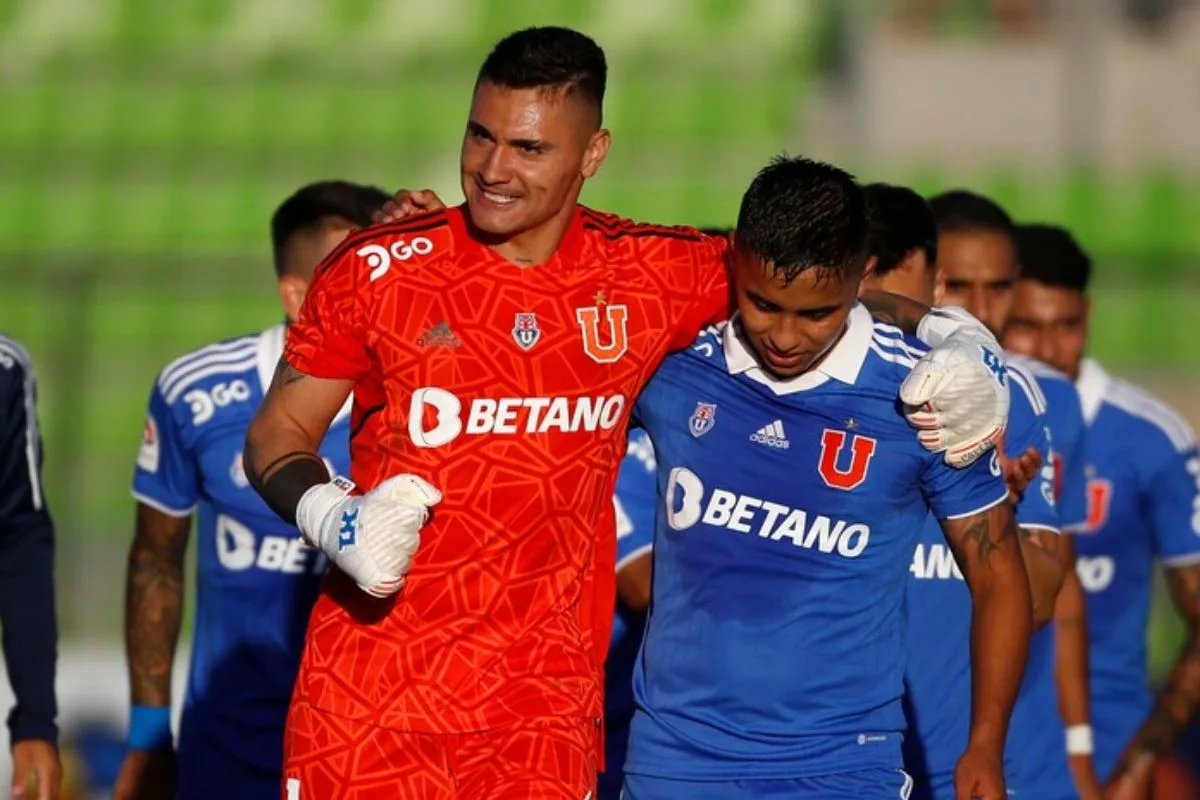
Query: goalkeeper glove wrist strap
{"x":317,"y":503}
{"x":149,"y":728}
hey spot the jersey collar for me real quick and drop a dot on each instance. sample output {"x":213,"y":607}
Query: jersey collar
{"x":1092,"y":385}
{"x":843,"y":362}
{"x":269,"y":350}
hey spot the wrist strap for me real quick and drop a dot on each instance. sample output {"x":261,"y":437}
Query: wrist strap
{"x":149,"y":728}
{"x":1079,"y":740}
{"x":315,"y":504}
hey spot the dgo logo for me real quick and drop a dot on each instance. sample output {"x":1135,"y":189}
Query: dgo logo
{"x":436,"y":417}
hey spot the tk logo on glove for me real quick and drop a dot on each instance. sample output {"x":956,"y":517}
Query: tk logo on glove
{"x":348,"y":533}
{"x":993,"y":363}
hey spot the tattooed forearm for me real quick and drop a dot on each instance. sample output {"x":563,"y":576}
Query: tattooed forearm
{"x":154,"y":604}
{"x":1178,"y":702}
{"x":894,"y":309}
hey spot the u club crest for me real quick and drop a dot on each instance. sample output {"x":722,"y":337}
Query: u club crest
{"x":526,"y":332}
{"x":702,"y":419}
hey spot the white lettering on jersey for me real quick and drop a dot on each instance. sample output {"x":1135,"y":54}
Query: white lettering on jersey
{"x":203,"y":403}
{"x":506,"y":415}
{"x":935,"y":562}
{"x":237,"y":552}
{"x":148,"y":452}
{"x":379,"y":258}
{"x":293,"y":789}
{"x":686,"y":505}
{"x":1096,"y":572}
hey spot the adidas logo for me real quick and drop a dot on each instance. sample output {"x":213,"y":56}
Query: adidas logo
{"x":439,"y":335}
{"x":771,"y":435}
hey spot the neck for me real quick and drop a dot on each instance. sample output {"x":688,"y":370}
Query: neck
{"x":535,"y":246}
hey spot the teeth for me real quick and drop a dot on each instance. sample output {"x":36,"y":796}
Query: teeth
{"x":502,"y":199}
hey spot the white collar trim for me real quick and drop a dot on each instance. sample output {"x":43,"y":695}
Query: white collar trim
{"x":843,"y":363}
{"x":1092,"y":384}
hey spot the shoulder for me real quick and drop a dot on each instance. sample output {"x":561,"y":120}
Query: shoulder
{"x":666,"y":242}
{"x":1060,"y":393}
{"x":891,"y":355}
{"x":708,"y":348}
{"x":368,"y":254}
{"x":1022,"y":380}
{"x":1145,"y":411}
{"x":209,"y":378}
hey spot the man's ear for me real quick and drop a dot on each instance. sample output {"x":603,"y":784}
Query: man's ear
{"x":597,"y":151}
{"x":292,"y":289}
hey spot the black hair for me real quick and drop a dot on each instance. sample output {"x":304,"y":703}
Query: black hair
{"x":800,"y":214}
{"x":312,"y":204}
{"x":901,"y":222}
{"x":722,"y":232}
{"x":1049,"y":254}
{"x":548,"y":57}
{"x":967,"y":212}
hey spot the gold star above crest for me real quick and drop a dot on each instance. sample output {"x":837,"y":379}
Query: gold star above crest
{"x":600,"y":299}
{"x":851,"y":424}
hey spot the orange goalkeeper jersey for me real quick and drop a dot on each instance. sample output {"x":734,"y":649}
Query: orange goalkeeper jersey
{"x":510,"y":389}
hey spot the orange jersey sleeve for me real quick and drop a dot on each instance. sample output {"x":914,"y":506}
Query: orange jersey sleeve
{"x":711,"y":290}
{"x":330,"y":340}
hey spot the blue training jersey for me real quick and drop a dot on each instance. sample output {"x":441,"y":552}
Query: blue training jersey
{"x":1143,"y":504}
{"x":937,"y":702}
{"x":635,"y":502}
{"x":775,"y":643}
{"x":256,"y":581}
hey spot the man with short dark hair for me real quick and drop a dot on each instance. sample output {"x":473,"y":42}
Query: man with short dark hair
{"x":793,"y":496}
{"x":1143,"y":490}
{"x":255,"y":580}
{"x":903,"y":243}
{"x":484,"y":678}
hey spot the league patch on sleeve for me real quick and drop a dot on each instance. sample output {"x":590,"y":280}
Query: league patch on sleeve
{"x":147,"y":458}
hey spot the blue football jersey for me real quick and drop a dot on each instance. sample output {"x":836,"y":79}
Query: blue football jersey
{"x":775,"y":644}
{"x":1143,"y":504}
{"x":937,"y":702}
{"x":635,"y":502}
{"x":256,"y":581}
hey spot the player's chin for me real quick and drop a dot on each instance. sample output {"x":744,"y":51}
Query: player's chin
{"x":495,"y":218}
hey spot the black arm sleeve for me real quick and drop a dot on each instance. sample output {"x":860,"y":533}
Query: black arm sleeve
{"x":27,"y":613}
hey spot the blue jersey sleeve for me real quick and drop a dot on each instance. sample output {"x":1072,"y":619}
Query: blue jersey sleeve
{"x":1070,"y":464}
{"x":166,"y":477}
{"x":1174,"y":506}
{"x":1028,"y":428}
{"x":955,"y":493}
{"x":635,"y":499}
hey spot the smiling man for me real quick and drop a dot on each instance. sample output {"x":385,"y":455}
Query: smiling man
{"x":793,"y":495}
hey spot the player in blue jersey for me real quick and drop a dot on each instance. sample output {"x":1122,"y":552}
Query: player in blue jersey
{"x":256,"y":581}
{"x":794,"y":491}
{"x":635,"y":505}
{"x":909,"y":259}
{"x":1143,"y":477}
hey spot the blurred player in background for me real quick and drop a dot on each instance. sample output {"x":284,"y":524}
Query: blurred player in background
{"x":484,"y":678}
{"x":256,"y":580}
{"x":1143,"y":489}
{"x":635,"y":500}
{"x":793,"y":495}
{"x":1051,"y":739}
{"x":27,"y":611}
{"x":905,"y":243}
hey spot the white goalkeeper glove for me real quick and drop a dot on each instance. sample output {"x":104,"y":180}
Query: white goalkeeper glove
{"x":371,"y":538}
{"x":957,"y":394}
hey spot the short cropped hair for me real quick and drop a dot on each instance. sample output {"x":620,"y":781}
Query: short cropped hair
{"x":312,"y":204}
{"x":800,"y":214}
{"x":961,"y":211}
{"x":548,"y":57}
{"x":901,"y":223}
{"x":1049,"y":254}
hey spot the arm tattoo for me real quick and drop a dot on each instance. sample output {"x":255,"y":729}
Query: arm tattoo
{"x":154,"y":607}
{"x":286,"y":374}
{"x":1179,"y":700}
{"x":895,"y":310}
